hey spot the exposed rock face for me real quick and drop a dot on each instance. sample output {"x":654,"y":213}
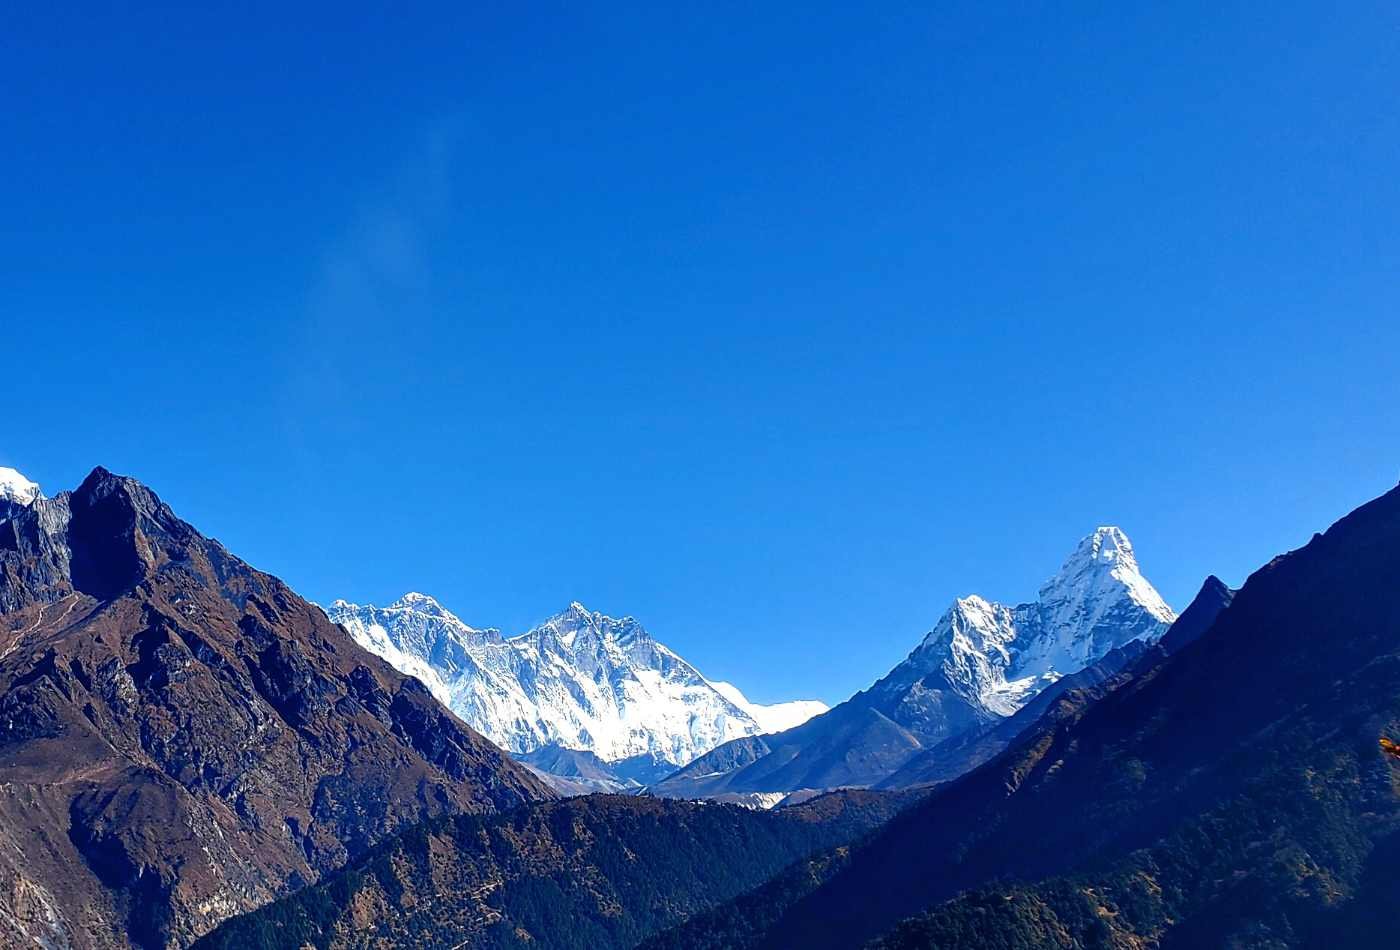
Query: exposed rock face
{"x":183,"y":738}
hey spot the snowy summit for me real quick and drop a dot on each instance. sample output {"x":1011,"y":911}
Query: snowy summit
{"x":581,"y":680}
{"x":997,"y":657}
{"x":14,"y":487}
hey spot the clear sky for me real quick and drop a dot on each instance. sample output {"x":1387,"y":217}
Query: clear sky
{"x":776,"y":326}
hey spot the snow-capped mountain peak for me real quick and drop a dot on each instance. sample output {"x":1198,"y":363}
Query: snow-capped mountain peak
{"x":418,"y":601}
{"x":1104,"y":561}
{"x":997,"y":657}
{"x":1097,"y":601}
{"x":581,"y":679}
{"x":14,"y":487}
{"x":778,"y":716}
{"x":1107,"y":543}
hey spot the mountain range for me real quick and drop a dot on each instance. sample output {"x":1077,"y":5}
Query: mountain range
{"x":980,"y":663}
{"x":580,"y":680}
{"x":193,"y":754}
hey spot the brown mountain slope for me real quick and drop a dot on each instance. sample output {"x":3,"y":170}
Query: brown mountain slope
{"x":183,"y":738}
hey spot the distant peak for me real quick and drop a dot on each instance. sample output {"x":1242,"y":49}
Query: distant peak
{"x":98,"y":476}
{"x":577,"y":618}
{"x":973,"y":609}
{"x":102,"y":483}
{"x":1106,"y":545}
{"x":1105,"y":550}
{"x":16,"y":488}
{"x":572,"y":618}
{"x":972,"y":602}
{"x":1199,"y":615}
{"x":1104,"y":561}
{"x":428,"y":606}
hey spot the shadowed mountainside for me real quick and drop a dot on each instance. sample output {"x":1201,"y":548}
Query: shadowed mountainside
{"x":590,"y":873}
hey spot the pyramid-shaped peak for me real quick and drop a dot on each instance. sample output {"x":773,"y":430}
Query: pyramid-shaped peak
{"x":99,"y":478}
{"x":416,"y":599}
{"x":1107,"y":545}
{"x":1102,"y":569}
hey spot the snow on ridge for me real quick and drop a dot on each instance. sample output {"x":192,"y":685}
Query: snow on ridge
{"x":1104,"y":565}
{"x":775,"y":717}
{"x":603,"y":684}
{"x":580,"y":678}
{"x":998,"y":657}
{"x":14,"y":487}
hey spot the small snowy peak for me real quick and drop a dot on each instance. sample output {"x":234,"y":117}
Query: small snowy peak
{"x":417,"y":601}
{"x":777,"y":717}
{"x":980,"y":624}
{"x":1103,"y":564}
{"x":1107,"y":543}
{"x":1106,"y":548}
{"x":578,"y":629}
{"x":415,"y":634}
{"x":14,"y":487}
{"x":1097,"y":602}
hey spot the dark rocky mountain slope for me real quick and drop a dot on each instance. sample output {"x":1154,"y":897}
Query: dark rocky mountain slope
{"x":592,"y":873}
{"x":183,"y":738}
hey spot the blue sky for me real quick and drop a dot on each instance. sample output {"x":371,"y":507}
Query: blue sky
{"x":776,"y":328}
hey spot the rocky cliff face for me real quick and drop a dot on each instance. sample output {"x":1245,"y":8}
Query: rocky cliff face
{"x":184,"y":738}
